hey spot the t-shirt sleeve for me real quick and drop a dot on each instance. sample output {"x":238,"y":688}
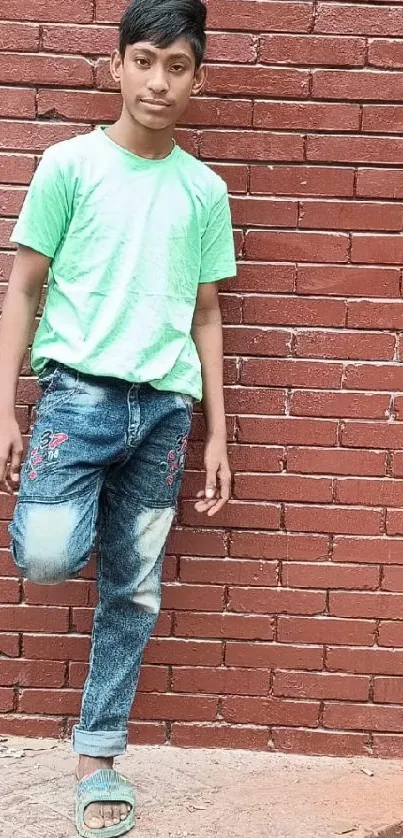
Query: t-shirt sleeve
{"x":45,"y":214}
{"x":218,"y":250}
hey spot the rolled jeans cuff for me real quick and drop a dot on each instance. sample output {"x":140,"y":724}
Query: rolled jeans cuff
{"x":99,"y":743}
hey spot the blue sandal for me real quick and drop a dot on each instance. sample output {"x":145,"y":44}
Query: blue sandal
{"x":105,"y":786}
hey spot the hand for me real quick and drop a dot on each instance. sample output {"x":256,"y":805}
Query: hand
{"x":11,"y":449}
{"x":218,"y":478}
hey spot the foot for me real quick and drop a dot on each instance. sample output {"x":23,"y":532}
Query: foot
{"x":100,"y":815}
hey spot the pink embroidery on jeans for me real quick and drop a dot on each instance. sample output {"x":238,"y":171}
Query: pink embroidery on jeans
{"x":46,"y":453}
{"x":175,"y":461}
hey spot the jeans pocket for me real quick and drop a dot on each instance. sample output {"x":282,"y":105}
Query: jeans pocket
{"x":58,"y":385}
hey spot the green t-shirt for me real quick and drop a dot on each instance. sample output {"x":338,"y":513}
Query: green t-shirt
{"x":130,"y":240}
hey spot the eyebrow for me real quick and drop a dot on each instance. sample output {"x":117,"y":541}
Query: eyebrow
{"x":175,"y":56}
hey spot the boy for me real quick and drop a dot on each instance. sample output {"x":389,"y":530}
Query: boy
{"x":134,"y":234}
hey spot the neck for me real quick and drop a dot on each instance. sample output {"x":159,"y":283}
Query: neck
{"x":141,"y":141}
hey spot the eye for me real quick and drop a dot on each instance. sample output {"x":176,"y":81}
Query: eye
{"x":142,"y":62}
{"x":178,"y":68}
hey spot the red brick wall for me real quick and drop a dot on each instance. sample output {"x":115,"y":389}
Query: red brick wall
{"x":282,"y":624}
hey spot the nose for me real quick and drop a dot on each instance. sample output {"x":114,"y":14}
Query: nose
{"x":158,"y":82}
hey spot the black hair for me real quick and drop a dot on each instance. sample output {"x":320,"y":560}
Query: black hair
{"x":161,"y":22}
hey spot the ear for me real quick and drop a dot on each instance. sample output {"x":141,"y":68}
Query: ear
{"x":199,"y":80}
{"x":116,"y":65}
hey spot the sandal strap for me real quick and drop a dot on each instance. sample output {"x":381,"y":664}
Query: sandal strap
{"x":104,"y":786}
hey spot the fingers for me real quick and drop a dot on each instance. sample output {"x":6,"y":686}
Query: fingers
{"x":15,"y":464}
{"x":224,"y":476}
{"x":4,"y":481}
{"x":211,"y":483}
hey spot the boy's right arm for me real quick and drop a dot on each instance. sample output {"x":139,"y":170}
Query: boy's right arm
{"x":29,"y":273}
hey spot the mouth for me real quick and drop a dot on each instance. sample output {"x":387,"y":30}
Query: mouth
{"x":156,"y":104}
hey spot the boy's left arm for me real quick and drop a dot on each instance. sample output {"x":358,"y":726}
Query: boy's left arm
{"x":208,"y":337}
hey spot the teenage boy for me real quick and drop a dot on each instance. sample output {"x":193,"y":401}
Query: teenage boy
{"x":134,"y":234}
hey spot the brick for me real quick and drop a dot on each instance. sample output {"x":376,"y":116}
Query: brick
{"x":362,"y":717}
{"x":218,"y":112}
{"x":387,"y":746}
{"x":380,"y":183}
{"x":296,"y":246}
{"x":284,"y":487}
{"x":17,"y":102}
{"x":337,"y":519}
{"x":195,"y":542}
{"x":19,"y":36}
{"x":10,"y":591}
{"x":318,"y":743}
{"x":228,"y":571}
{"x":74,"y":592}
{"x":33,"y":618}
{"x":193,"y":597}
{"x":255,"y":457}
{"x":322,"y":686}
{"x":250,"y":145}
{"x":175,"y":707}
{"x":54,"y":702}
{"x":397,"y":457}
{"x":302,"y":180}
{"x":261,"y":545}
{"x":234,"y":174}
{"x":350,"y":215}
{"x":264,"y":212}
{"x":345,"y":345}
{"x":175,"y":651}
{"x":71,"y":11}
{"x":274,"y":655}
{"x":9,"y":645}
{"x":45,"y":69}
{"x":110,"y":11}
{"x":69,"y":647}
{"x":270,"y":711}
{"x":244,"y":400}
{"x":147,"y":733}
{"x":370,"y":492}
{"x":79,"y":40}
{"x":279,"y":601}
{"x":35,"y":136}
{"x":245,"y":14}
{"x":31,"y":726}
{"x":351,"y":149}
{"x":223,"y":626}
{"x":353,"y":19}
{"x":238,"y":514}
{"x":368,"y":550}
{"x":336,"y":461}
{"x":362,"y":315}
{"x":79,"y":105}
{"x":328,"y":630}
{"x":388,"y":690}
{"x":311,"y":403}
{"x":390,"y":634}
{"x":356,"y":84}
{"x":218,"y":736}
{"x":372,"y":434}
{"x":291,"y":373}
{"x":294,"y":311}
{"x":310,"y":116}
{"x":287,"y":431}
{"x":394,"y":522}
{"x":235,"y":48}
{"x":367,"y":377}
{"x":312,"y":50}
{"x":385,"y":118}
{"x":380,"y":605}
{"x":367,"y":661}
{"x":343,"y":281}
{"x":385,"y":53}
{"x":329,"y":575}
{"x":27,"y":673}
{"x":220,"y":681}
{"x":269,"y":277}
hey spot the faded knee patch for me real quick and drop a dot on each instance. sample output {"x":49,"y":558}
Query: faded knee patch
{"x":153,"y":526}
{"x":48,"y":533}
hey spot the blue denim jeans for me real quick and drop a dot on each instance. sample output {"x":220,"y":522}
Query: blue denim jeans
{"x":106,"y":458}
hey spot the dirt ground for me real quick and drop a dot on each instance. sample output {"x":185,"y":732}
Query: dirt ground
{"x":201,"y":794}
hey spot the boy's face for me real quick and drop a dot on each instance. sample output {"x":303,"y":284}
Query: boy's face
{"x":157,"y":83}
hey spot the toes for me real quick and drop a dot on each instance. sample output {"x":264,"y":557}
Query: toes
{"x":108,"y":815}
{"x":123,"y":811}
{"x":93,"y":818}
{"x":116,"y":814}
